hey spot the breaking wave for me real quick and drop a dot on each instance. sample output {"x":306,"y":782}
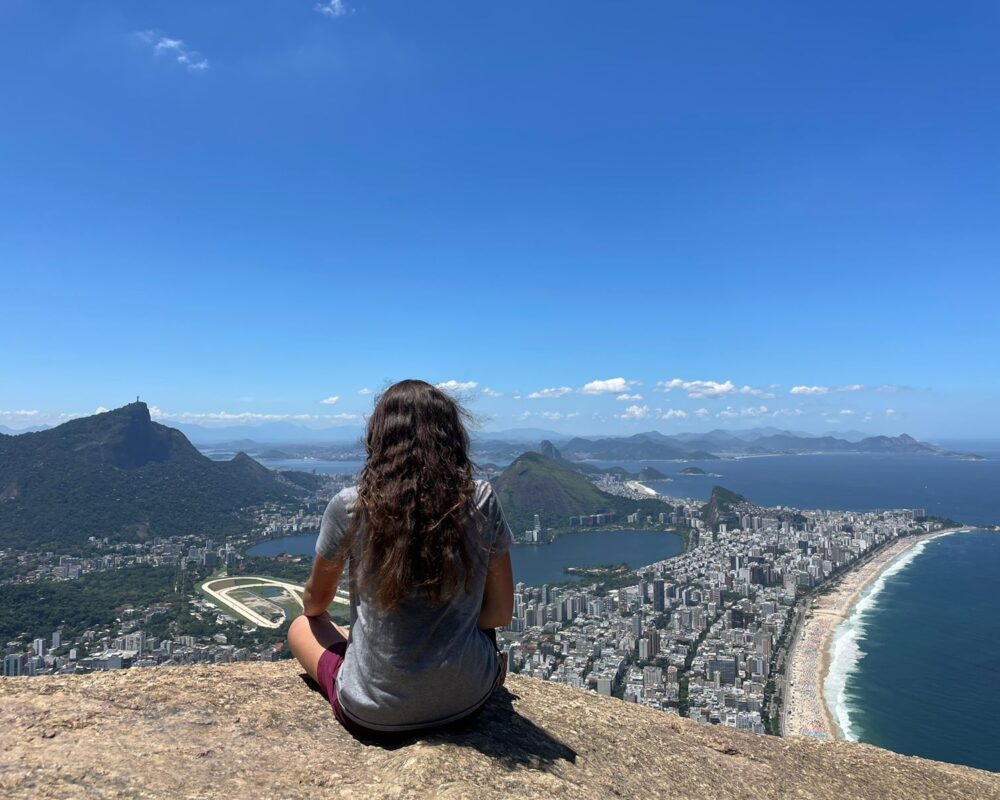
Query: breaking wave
{"x":846,"y":649}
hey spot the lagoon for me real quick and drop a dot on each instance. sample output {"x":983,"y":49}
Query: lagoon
{"x":537,"y":564}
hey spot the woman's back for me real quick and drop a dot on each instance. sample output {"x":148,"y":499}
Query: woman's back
{"x":421,"y":663}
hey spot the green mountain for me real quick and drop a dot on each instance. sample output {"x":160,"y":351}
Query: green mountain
{"x":640,"y":447}
{"x":121,"y":475}
{"x":534,"y":484}
{"x":721,"y":507}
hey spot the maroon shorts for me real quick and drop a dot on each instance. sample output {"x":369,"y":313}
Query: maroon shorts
{"x":326,"y":676}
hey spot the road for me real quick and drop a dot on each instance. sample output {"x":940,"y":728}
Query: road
{"x":224,"y":598}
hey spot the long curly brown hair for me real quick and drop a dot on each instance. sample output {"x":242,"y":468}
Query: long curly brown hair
{"x":413,"y":497}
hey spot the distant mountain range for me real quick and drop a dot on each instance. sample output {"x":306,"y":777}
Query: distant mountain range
{"x":653,"y":445}
{"x":121,"y":475}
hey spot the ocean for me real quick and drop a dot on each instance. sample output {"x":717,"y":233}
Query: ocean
{"x":916,"y":667}
{"x":967,"y":491}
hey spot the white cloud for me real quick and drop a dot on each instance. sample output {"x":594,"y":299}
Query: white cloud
{"x":457,"y":386}
{"x":846,"y":412}
{"x":491,"y":392}
{"x":762,"y":393}
{"x":366,"y":391}
{"x":850,"y":387}
{"x":731,"y":413}
{"x":551,"y":416}
{"x":224,"y":418}
{"x":673,"y":413}
{"x":331,"y":400}
{"x":634,"y":412}
{"x":332,"y":8}
{"x":607,"y":386}
{"x":100,"y":410}
{"x":868,"y":417}
{"x":628,"y":397}
{"x":698,"y":390}
{"x":890,"y":412}
{"x":810,"y":390}
{"x":545,"y":394}
{"x":788,"y":412}
{"x":190,"y":59}
{"x":701,"y":412}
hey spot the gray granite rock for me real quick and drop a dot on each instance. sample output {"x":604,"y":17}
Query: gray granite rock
{"x":247,"y":731}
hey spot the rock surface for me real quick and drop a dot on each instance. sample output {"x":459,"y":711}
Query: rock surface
{"x":258,"y":730}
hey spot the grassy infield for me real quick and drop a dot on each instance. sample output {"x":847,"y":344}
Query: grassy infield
{"x":340,"y":613}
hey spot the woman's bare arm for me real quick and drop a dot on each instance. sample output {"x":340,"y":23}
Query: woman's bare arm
{"x":498,"y":598}
{"x":321,"y":586}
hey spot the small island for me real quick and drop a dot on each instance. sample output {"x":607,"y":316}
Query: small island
{"x":693,"y":471}
{"x":601,"y":571}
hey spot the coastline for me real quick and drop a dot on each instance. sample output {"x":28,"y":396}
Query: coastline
{"x":806,"y":711}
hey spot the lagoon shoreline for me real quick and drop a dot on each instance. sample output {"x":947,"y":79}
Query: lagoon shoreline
{"x":805,"y":711}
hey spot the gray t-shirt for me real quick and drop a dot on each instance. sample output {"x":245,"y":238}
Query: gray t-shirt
{"x":418,"y":665}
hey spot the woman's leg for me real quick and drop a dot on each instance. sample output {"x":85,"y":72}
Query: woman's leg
{"x":309,"y":637}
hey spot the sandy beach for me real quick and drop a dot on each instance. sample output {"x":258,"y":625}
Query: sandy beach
{"x":805,"y":711}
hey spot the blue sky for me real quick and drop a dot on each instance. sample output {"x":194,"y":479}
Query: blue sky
{"x":240,"y":209}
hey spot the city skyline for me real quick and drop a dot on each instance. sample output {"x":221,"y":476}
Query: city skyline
{"x":242,"y":211}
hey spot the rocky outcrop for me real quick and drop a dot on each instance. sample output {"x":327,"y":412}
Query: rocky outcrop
{"x":258,"y":730}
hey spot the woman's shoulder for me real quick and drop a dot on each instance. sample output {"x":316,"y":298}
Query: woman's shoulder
{"x":484,"y":498}
{"x":344,"y":501}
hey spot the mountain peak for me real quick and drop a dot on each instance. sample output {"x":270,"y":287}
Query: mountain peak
{"x":213,"y":731}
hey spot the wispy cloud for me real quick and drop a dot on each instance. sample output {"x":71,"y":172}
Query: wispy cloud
{"x":673,"y":413}
{"x":846,"y":412}
{"x":819,"y":390}
{"x":366,"y":391}
{"x":331,"y":400}
{"x":333,"y":9}
{"x":189,"y":58}
{"x":488,"y":392}
{"x":701,"y":412}
{"x":764,"y":394}
{"x":221,"y":418}
{"x":628,"y":397}
{"x":457,"y":386}
{"x":545,"y":394}
{"x":731,"y":413}
{"x":608,"y":386}
{"x":810,"y":390}
{"x":551,"y":416}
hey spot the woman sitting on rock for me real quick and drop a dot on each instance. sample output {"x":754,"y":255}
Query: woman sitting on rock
{"x":430,"y":576}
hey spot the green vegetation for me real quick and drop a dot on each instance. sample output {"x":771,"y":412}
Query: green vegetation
{"x":121,"y":476}
{"x":720,"y":506}
{"x":534,"y":484}
{"x":693,"y":471}
{"x":293,"y":570}
{"x":95,"y":599}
